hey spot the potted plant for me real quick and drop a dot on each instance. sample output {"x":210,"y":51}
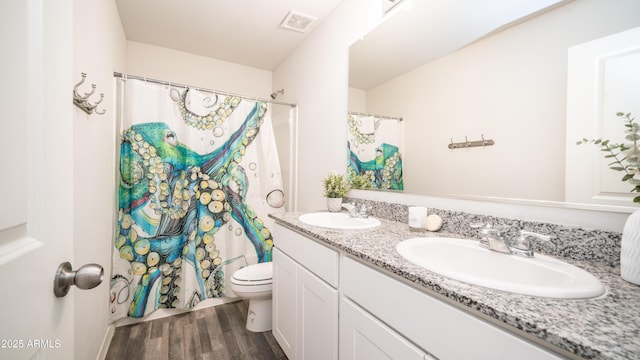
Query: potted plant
{"x":335,"y":188}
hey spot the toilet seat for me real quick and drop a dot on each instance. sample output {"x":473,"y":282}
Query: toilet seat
{"x":254,"y":275}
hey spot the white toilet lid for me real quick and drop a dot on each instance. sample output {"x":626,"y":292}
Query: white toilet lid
{"x":256,"y":272}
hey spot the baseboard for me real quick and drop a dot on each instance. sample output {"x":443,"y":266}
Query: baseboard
{"x":106,"y":341}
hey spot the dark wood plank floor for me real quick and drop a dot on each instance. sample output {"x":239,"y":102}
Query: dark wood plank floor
{"x":216,"y":332}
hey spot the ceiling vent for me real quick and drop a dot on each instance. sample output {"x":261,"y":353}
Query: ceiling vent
{"x":297,"y":22}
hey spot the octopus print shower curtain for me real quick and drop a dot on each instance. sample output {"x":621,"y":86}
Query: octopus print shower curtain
{"x":374,"y":151}
{"x":198,"y":174}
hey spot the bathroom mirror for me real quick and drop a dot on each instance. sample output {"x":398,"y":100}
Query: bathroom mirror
{"x":455,"y":77}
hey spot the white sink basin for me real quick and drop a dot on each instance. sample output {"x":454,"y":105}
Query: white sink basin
{"x":466,"y":261}
{"x":338,"y":220}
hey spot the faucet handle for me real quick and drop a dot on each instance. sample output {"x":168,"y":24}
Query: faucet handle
{"x":522,"y":246}
{"x":485,"y":228}
{"x":525,"y":233}
{"x":364,"y":211}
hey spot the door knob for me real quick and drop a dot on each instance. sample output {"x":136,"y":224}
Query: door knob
{"x":87,"y":277}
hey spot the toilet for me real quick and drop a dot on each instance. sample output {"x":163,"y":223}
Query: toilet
{"x":254,"y":282}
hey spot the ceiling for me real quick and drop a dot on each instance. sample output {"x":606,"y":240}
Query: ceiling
{"x":422,"y":31}
{"x":245,"y":32}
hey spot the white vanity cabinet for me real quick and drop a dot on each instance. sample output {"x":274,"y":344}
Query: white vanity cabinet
{"x":321,"y":296}
{"x":305,"y":297}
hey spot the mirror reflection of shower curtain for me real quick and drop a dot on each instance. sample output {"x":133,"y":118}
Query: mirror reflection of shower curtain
{"x":198,"y":174}
{"x":374,"y":147}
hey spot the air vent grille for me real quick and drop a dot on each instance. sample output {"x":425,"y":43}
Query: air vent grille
{"x":297,"y":22}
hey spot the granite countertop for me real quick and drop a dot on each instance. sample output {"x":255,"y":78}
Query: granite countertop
{"x":606,"y":327}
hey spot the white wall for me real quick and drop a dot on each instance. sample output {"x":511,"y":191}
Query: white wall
{"x":315,"y":77}
{"x":357,"y":100}
{"x":172,"y":65}
{"x":511,"y":87}
{"x":99,"y":50}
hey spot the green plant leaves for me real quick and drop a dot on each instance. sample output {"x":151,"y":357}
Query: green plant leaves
{"x":335,"y":186}
{"x":626,"y":156}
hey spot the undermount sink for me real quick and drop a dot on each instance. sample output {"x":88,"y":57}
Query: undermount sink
{"x":466,"y":261}
{"x":338,"y":220}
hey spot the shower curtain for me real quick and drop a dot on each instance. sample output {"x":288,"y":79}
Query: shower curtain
{"x":374,"y":151}
{"x":198,"y":174}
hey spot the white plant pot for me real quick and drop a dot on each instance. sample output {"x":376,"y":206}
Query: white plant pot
{"x":630,"y":249}
{"x":334,"y":204}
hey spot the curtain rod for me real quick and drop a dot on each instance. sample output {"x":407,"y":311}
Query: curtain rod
{"x":381,"y":117}
{"x":161,"y":82}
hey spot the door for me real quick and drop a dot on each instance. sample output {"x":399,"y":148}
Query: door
{"x":36,"y":177}
{"x":603,"y":79}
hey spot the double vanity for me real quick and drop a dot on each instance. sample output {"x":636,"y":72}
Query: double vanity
{"x":370,"y":288}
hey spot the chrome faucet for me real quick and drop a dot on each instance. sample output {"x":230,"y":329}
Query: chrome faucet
{"x":493,"y":239}
{"x":497,"y":240}
{"x":355,"y":211}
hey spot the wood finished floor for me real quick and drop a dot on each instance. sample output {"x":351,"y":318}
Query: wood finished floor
{"x":216,"y":332}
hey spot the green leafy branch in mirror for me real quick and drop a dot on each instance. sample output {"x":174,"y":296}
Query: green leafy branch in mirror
{"x":625,"y":156}
{"x":335,"y":186}
{"x":361,"y":182}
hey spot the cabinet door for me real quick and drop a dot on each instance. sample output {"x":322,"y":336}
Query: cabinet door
{"x":317,"y":318}
{"x":363,"y":337}
{"x":284,"y":302}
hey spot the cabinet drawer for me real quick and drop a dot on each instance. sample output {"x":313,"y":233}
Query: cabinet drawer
{"x":364,"y":337}
{"x":319,"y":259}
{"x":437,"y":327}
